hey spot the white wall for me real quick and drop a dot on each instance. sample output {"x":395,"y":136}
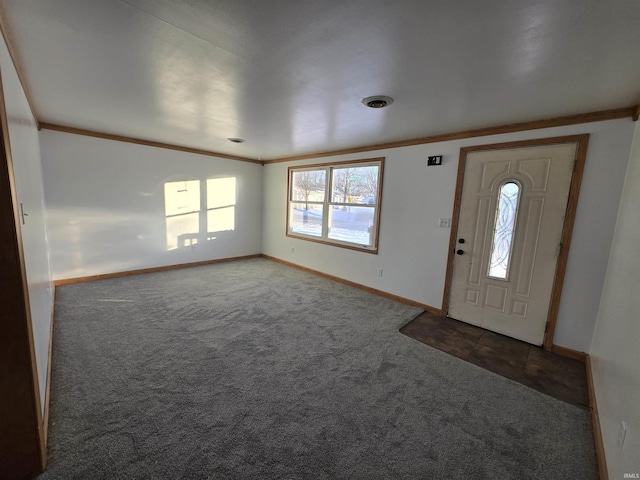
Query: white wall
{"x":105,"y":201}
{"x":25,"y":152}
{"x":615,"y":351}
{"x":413,"y":249}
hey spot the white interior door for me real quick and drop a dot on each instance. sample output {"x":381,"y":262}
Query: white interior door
{"x":510,"y":225}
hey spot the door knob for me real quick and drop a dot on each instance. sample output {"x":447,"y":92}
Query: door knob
{"x":459,"y":252}
{"x":461,"y":240}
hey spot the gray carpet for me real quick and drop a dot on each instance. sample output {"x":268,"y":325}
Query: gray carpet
{"x":255,"y":370}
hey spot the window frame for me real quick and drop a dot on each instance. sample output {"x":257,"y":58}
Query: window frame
{"x":328,"y":203}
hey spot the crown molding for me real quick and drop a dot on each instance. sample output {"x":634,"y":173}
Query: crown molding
{"x":138,"y":141}
{"x":631,"y":112}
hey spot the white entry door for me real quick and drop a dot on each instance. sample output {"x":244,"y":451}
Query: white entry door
{"x":510,"y":223}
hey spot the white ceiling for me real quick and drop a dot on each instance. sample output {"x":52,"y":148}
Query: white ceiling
{"x":288,"y":75}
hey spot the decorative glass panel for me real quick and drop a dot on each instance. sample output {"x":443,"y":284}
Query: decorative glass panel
{"x":503,"y":229}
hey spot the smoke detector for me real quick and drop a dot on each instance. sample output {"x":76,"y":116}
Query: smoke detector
{"x":377,"y":101}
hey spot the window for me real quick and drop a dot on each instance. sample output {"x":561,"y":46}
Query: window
{"x":503,"y":228}
{"x":336,"y":203}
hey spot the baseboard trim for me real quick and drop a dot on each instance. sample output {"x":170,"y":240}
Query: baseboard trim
{"x":557,"y":349}
{"x":47,"y":394}
{"x":103,"y":276}
{"x":569,"y":353}
{"x":595,"y":420}
{"x":382,"y":293}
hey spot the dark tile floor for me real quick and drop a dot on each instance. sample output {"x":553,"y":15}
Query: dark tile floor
{"x":557,"y":376}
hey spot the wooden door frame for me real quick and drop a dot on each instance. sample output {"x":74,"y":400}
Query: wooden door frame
{"x":582,"y":142}
{"x":22,"y":447}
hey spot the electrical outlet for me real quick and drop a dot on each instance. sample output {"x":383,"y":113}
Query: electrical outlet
{"x":379,"y":272}
{"x":622,"y":435}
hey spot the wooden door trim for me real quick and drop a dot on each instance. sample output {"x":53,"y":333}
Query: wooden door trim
{"x":20,"y":407}
{"x":581,"y":142}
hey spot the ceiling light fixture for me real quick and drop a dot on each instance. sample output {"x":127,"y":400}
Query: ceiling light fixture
{"x":377,"y":101}
{"x":236,"y":140}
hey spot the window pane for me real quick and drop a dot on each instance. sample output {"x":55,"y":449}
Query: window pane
{"x":181,"y":197}
{"x":308,"y":186}
{"x":336,"y":204}
{"x":221,"y":219}
{"x":221,"y":192}
{"x":182,"y":230}
{"x":355,"y":185}
{"x":503,"y":229}
{"x":305,"y":219}
{"x":352,"y":224}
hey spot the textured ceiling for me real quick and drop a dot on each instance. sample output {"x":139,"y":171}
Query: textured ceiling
{"x":288,"y":76}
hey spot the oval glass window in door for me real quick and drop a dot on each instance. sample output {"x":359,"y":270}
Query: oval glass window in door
{"x":503,"y":229}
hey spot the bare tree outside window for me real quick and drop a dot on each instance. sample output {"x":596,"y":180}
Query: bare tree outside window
{"x":355,"y":182}
{"x":309,"y":183}
{"x":344,"y":182}
{"x":337,"y":204}
{"x":369,"y":181}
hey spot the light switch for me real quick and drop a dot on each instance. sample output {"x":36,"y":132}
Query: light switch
{"x":445,"y":223}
